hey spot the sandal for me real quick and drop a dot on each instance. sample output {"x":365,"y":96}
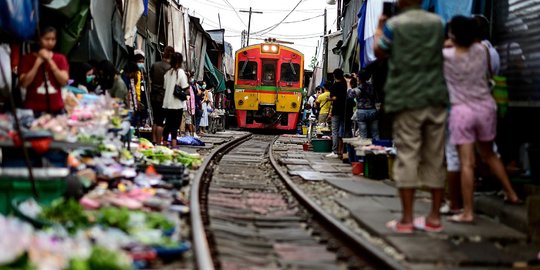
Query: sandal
{"x":421,"y":224}
{"x":516,"y":202}
{"x":397,"y":227}
{"x":459,"y":219}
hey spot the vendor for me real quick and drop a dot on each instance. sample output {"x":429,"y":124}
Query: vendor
{"x":110,"y":81}
{"x":82,"y":75}
{"x":43,"y":74}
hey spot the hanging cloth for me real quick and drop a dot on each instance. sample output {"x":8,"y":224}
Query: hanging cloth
{"x":361,"y":28}
{"x":134,"y":11}
{"x":448,"y":9}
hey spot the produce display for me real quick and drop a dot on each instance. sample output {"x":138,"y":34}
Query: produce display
{"x":117,"y":211}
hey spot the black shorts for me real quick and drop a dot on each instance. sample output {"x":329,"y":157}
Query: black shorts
{"x":158,"y":112}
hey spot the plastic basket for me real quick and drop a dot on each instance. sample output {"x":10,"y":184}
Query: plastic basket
{"x":321,"y":145}
{"x":21,"y":188}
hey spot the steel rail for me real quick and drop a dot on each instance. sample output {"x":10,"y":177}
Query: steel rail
{"x":358,"y":244}
{"x":203,"y":257}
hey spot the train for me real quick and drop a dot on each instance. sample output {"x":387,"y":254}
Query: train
{"x":268,"y":86}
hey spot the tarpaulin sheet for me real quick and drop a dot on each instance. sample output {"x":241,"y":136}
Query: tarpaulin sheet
{"x":74,"y":16}
{"x":104,"y":38}
{"x":216,"y":77}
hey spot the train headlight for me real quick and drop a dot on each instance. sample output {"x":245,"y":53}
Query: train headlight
{"x":294,"y":105}
{"x":270,"y":48}
{"x":240,"y":102}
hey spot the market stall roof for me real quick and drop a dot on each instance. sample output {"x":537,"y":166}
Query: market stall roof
{"x":197,"y":24}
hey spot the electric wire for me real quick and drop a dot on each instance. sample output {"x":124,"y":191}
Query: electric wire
{"x":269,"y":29}
{"x":236,"y":12}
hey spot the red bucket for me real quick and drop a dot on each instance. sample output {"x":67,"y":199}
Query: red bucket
{"x":357,"y":168}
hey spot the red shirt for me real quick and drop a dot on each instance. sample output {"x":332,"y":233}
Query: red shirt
{"x":36,"y":97}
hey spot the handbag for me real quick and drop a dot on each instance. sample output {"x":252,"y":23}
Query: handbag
{"x":178,"y":92}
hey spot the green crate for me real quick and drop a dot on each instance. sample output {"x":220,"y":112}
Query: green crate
{"x":21,"y":188}
{"x":322,"y":145}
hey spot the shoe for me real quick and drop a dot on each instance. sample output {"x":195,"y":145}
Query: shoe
{"x":397,"y":227}
{"x":459,"y":219}
{"x":420,"y":223}
{"x":332,"y":155}
{"x":445,"y":210}
{"x":196,"y":136}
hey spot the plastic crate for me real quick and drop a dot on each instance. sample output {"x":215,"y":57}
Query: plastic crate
{"x":322,"y":145}
{"x":21,"y":188}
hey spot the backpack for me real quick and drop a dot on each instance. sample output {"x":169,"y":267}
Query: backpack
{"x":19,"y":18}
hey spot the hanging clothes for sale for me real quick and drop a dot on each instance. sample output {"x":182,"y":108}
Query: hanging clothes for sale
{"x":448,"y":9}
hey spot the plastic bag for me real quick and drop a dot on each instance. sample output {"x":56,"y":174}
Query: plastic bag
{"x":188,"y":140}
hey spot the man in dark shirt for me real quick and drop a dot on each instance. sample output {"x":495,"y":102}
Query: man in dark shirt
{"x":338,"y":96}
{"x":157,"y":92}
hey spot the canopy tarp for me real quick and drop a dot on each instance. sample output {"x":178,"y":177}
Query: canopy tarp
{"x":216,"y":77}
{"x":104,"y":38}
{"x":72,"y":16}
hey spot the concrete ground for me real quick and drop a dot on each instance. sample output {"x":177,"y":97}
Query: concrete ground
{"x":487,"y":244}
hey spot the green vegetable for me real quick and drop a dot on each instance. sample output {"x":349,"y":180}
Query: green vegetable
{"x":114,"y":217}
{"x":126,"y":155}
{"x":69,"y":213}
{"x":116,"y":121}
{"x":102,"y":258}
{"x":78,"y":264}
{"x":158,"y":221}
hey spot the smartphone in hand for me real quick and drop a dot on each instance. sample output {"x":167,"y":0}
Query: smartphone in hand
{"x":389,"y":9}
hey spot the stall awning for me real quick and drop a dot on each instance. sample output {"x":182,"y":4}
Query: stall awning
{"x":215,"y":76}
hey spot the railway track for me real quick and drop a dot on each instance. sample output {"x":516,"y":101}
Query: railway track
{"x":247,"y":214}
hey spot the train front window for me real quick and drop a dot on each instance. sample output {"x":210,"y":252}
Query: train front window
{"x":247,"y":70}
{"x":290,"y":72}
{"x":269,"y":73}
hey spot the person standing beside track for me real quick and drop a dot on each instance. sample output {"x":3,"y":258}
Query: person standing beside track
{"x":173,"y":106}
{"x":338,"y":96}
{"x":157,"y":73}
{"x":416,"y":93}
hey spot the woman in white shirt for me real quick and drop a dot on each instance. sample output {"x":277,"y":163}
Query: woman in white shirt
{"x":172,"y":105}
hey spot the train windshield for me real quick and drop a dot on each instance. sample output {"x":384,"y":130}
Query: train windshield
{"x":290,"y":72}
{"x":269,"y":73}
{"x":247,"y":70}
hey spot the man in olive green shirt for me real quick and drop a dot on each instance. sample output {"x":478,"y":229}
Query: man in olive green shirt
{"x":415,"y":92}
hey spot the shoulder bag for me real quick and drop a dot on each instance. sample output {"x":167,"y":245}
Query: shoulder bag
{"x":179,"y":93}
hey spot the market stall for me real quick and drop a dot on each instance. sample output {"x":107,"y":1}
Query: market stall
{"x":94,"y":196}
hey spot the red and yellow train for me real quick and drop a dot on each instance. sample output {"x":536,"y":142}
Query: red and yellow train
{"x":268,"y":86}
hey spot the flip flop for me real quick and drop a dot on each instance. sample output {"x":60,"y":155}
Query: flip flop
{"x":459,"y":219}
{"x":421,"y":224}
{"x":397,"y":227}
{"x":510,"y":202}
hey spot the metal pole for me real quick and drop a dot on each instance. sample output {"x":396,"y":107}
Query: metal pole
{"x":338,"y":21}
{"x":325,"y":66}
{"x":249,"y":22}
{"x":249,"y":26}
{"x":219,"y":20}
